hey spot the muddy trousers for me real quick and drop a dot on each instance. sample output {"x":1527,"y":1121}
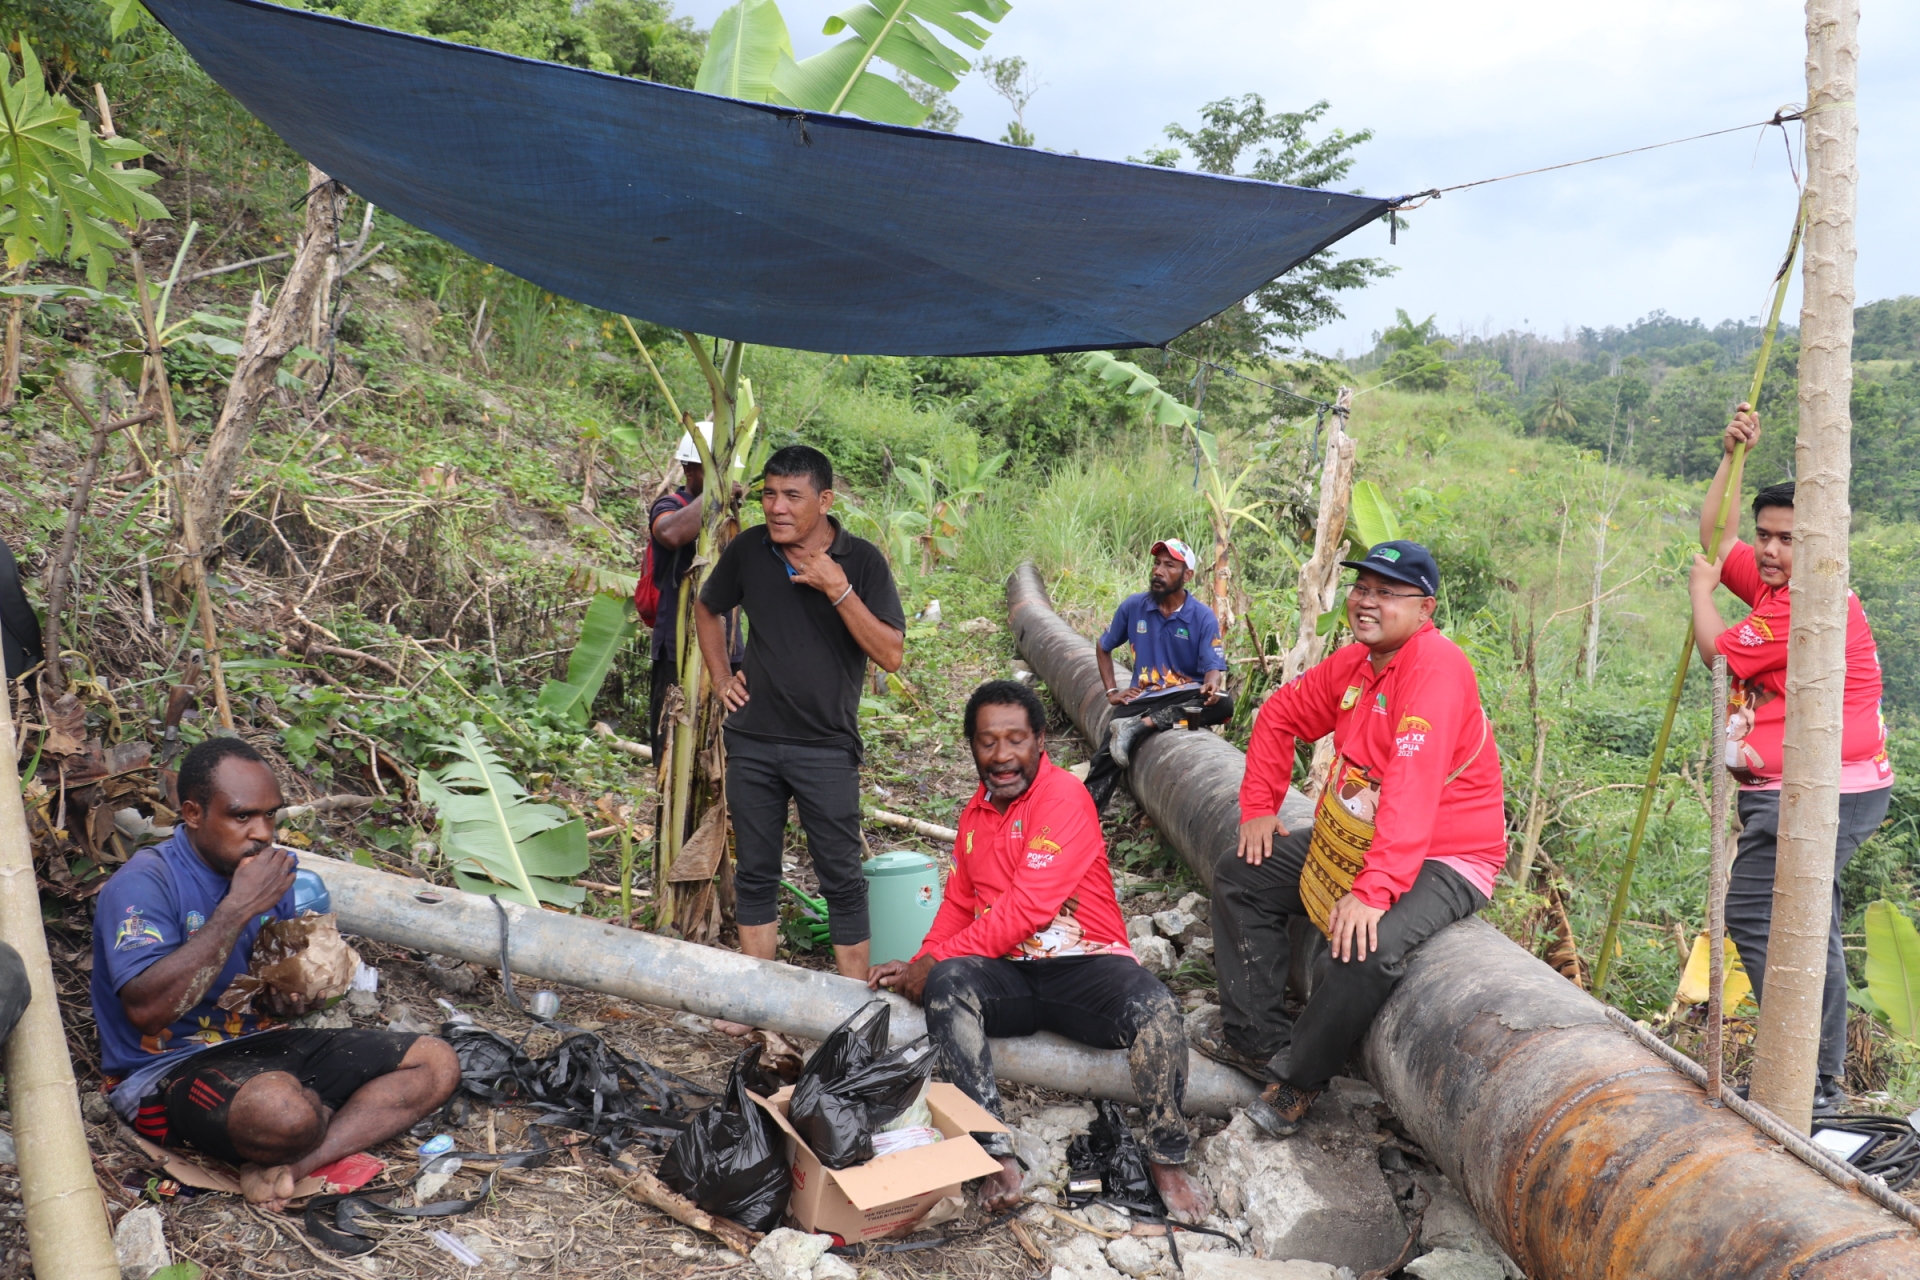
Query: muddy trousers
{"x":1750,"y":902}
{"x":1103,"y":775}
{"x":1108,"y":1002}
{"x":1252,"y":907}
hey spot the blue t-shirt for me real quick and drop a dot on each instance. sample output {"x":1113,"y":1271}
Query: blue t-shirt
{"x":1167,"y":651}
{"x":151,"y":906}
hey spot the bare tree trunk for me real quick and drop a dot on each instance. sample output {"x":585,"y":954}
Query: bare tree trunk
{"x":1320,"y":575}
{"x":1592,"y":655}
{"x":1789,"y":1040}
{"x":10,"y":370}
{"x":271,"y":337}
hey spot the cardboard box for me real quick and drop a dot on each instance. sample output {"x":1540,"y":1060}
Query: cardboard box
{"x":888,"y":1194}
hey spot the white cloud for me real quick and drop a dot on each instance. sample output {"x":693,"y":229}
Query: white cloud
{"x":1457,"y":93}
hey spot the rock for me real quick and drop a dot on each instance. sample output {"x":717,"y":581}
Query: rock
{"x":1450,"y":1223}
{"x":1154,"y":954}
{"x":1102,"y":1218}
{"x":1139,"y":1255}
{"x":1204,"y":1021}
{"x":1139,"y":927}
{"x":1456,"y":1264}
{"x":1197,"y":905}
{"x":833,"y":1267}
{"x":1227,"y":1266}
{"x":980,"y":626}
{"x":1080,"y":1258}
{"x":1175,"y":924}
{"x":1318,"y":1194}
{"x":452,"y":977}
{"x":1201,"y":943}
{"x":94,"y":1108}
{"x":787,"y":1254}
{"x":140,"y":1243}
{"x":7,"y":1153}
{"x":1057,"y":1123}
{"x":384,"y":273}
{"x":693,"y":1022}
{"x":363,"y":1004}
{"x":334,"y":1018}
{"x":1037,"y":1154}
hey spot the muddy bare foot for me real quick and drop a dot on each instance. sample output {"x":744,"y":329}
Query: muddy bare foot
{"x":1002,"y":1190}
{"x":270,"y":1188}
{"x":1187,"y":1200}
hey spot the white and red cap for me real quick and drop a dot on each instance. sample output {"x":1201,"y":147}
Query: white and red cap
{"x":1178,"y":550}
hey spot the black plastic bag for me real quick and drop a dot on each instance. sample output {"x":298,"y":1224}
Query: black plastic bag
{"x":732,"y":1160}
{"x":1108,"y":1151}
{"x":854,"y":1085}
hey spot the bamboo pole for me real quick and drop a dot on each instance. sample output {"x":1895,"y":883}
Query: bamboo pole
{"x":67,"y":1228}
{"x":1787,"y":1049}
{"x":1603,"y":964}
{"x":1717,"y":887}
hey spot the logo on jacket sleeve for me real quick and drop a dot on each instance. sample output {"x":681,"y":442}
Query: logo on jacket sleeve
{"x":135,"y":932}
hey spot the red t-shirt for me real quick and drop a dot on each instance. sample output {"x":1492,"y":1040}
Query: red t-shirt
{"x":1756,"y":653}
{"x":1409,"y":727}
{"x":1013,"y":873}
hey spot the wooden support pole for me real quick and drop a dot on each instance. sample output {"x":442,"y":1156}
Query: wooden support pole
{"x":1320,"y":575}
{"x":1787,"y":1049}
{"x":67,"y":1228}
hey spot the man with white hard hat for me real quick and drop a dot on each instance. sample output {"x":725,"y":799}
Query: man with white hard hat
{"x":674,"y":526}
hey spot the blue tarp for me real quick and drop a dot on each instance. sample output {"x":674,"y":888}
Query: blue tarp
{"x":742,"y":220}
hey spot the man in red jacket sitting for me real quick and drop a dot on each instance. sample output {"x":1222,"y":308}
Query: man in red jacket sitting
{"x":1407,"y":836}
{"x":1030,"y":938}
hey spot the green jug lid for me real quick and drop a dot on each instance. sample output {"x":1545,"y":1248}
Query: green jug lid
{"x":899,"y":862}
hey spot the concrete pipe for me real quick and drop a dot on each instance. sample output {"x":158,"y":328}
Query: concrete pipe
{"x":1581,"y":1151}
{"x":598,"y":956}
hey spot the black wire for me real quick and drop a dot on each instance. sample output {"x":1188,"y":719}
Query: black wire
{"x":1894,"y":1153}
{"x":1321,"y":405}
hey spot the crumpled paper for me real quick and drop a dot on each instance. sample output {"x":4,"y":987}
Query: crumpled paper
{"x":305,"y":958}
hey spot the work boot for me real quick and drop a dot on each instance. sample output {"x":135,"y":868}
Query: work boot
{"x":1121,"y":736}
{"x":1211,"y":1042}
{"x":1829,"y":1097}
{"x":1280,"y":1108}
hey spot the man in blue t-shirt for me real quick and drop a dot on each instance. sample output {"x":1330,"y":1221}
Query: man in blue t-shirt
{"x":1179,"y":665}
{"x":172,"y":929}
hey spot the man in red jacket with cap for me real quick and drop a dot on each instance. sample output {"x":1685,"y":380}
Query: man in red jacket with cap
{"x":1408,"y":834}
{"x":1030,"y":938}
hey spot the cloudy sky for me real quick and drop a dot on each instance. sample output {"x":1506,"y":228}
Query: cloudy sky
{"x":1455,"y":93}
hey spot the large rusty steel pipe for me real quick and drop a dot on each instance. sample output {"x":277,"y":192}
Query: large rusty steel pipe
{"x":1583,"y":1153}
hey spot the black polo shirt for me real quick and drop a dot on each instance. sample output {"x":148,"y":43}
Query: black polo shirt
{"x":803,"y":666}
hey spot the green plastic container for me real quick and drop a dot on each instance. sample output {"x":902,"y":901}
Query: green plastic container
{"x":903,"y":896}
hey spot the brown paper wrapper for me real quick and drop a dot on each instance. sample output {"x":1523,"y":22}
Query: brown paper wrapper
{"x":304,"y":958}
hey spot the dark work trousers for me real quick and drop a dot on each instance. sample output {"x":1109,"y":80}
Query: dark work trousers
{"x":824,"y":781}
{"x":1108,"y":1002}
{"x":1750,"y":902}
{"x":1103,"y":775}
{"x":14,"y":990}
{"x":1252,"y":907}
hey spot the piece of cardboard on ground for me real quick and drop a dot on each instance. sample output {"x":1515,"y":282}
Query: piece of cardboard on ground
{"x":888,"y":1195}
{"x":347,"y":1174}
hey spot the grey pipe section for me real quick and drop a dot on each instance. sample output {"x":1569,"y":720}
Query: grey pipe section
{"x":670,"y":974}
{"x":1582,"y":1152}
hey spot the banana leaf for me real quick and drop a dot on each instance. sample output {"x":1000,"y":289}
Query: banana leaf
{"x":606,"y":629}
{"x":1372,"y":521}
{"x":496,"y":838}
{"x":747,"y":42}
{"x":1893,"y":967}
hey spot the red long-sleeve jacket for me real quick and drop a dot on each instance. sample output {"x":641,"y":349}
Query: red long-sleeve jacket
{"x":1013,"y":873}
{"x":1410,"y":726}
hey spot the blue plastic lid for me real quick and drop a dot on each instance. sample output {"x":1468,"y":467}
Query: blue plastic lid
{"x":310,"y":893}
{"x":898,"y":862}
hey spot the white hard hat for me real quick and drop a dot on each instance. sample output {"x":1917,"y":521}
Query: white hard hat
{"x":688,"y":452}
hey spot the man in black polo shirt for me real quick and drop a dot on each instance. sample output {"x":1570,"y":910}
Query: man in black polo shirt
{"x":820,"y":603}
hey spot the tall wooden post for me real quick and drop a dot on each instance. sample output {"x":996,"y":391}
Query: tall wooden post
{"x":1789,"y":1040}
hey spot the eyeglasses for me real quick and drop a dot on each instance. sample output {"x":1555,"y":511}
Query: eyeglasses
{"x":1358,"y":592}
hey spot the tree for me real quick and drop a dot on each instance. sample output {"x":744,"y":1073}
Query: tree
{"x":942,"y":115}
{"x":1553,"y":414}
{"x":1013,"y":81}
{"x":1241,"y":137}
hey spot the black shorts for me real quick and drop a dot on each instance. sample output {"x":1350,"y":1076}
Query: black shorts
{"x":190,"y":1106}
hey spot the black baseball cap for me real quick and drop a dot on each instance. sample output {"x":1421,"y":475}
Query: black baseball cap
{"x":1407,"y":562}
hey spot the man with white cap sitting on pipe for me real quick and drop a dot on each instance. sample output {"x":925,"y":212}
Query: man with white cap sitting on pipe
{"x":1179,"y":665}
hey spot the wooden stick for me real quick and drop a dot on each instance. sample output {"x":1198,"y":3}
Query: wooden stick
{"x":1717,"y":887}
{"x":340,"y":651}
{"x":931,"y":830}
{"x":638,"y":750}
{"x":67,"y":1228}
{"x":649,"y":1190}
{"x":234,"y":266}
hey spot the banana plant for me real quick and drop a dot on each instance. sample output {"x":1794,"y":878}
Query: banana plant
{"x":60,"y":192}
{"x":1893,"y":968}
{"x":1371,"y":521}
{"x":750,"y":56}
{"x":497,"y":840}
{"x":607,"y":629}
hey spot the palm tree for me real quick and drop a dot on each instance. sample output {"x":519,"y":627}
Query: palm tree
{"x":1553,"y":415}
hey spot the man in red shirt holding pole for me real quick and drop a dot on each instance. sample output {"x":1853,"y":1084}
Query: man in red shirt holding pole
{"x":1029,"y":937}
{"x":1408,"y":834}
{"x":1756,"y":651}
